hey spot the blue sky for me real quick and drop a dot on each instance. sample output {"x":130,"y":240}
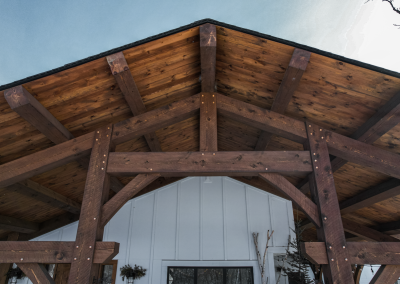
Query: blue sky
{"x":41,"y":35}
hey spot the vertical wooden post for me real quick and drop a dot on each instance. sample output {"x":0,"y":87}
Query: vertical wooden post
{"x":323,"y":192}
{"x":4,"y":267}
{"x":96,"y":192}
{"x":208,"y":106}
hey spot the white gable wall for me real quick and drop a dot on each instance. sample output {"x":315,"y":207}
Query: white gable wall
{"x":198,"y":221}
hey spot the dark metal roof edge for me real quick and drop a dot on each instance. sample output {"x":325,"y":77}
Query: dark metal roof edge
{"x":194,"y":24}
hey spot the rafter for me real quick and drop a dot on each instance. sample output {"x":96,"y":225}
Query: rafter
{"x":386,"y":274}
{"x":387,"y":117}
{"x":365,"y":232}
{"x":122,"y":74}
{"x":39,"y":192}
{"x":17,"y":225}
{"x":30,"y":109}
{"x":297,"y":65}
{"x":71,"y":150}
{"x":209,"y":163}
{"x":37,"y":273}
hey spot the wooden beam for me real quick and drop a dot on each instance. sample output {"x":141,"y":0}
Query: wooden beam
{"x":37,"y":273}
{"x":324,"y":193}
{"x":130,"y":190}
{"x":66,"y":152}
{"x":45,"y":160}
{"x":386,"y":274}
{"x":385,"y":253}
{"x":209,"y":163}
{"x":17,"y":225}
{"x":208,"y":122}
{"x":301,"y":200}
{"x":39,"y":192}
{"x":23,"y":103}
{"x":375,"y":194}
{"x":357,"y":274}
{"x":52,"y":252}
{"x":380,"y":123}
{"x":291,"y":79}
{"x":208,"y":55}
{"x":30,"y":109}
{"x":365,"y":232}
{"x":263,"y":119}
{"x":120,"y":69}
{"x":392,"y":228}
{"x":156,"y":119}
{"x":4,"y":267}
{"x":96,"y":193}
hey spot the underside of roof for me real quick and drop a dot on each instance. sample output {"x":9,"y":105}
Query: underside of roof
{"x":336,"y":93}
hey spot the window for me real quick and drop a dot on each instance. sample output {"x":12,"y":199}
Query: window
{"x":210,"y":275}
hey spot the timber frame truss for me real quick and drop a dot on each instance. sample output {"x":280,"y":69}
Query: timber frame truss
{"x":332,"y":252}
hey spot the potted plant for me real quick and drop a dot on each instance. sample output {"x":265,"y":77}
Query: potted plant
{"x":135,"y":273}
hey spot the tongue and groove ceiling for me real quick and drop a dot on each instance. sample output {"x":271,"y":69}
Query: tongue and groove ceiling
{"x":336,"y":93}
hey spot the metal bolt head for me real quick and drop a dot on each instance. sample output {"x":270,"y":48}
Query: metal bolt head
{"x":74,"y":258}
{"x":311,"y":134}
{"x":322,"y":137}
{"x":213,"y":154}
{"x":325,"y":218}
{"x":77,"y":246}
{"x":94,"y":218}
{"x":202,"y":154}
{"x":315,"y":160}
{"x":102,"y":169}
{"x":344,"y":247}
{"x":88,"y":258}
{"x":98,"y":131}
{"x":330,"y":247}
{"x":316,"y":167}
{"x":22,"y":259}
{"x":266,"y":169}
{"x":320,"y":129}
{"x":90,"y":247}
{"x":151,"y":169}
{"x":332,"y":259}
{"x":309,"y":125}
{"x":345,"y":259}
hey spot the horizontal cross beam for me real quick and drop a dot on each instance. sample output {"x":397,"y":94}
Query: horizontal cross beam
{"x":385,"y":253}
{"x":52,"y":252}
{"x":209,"y":163}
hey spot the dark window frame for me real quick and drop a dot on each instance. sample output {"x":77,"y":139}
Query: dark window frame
{"x":224,"y":269}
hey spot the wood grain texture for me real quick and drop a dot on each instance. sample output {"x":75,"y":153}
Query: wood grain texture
{"x":365,"y":232}
{"x":326,"y":198}
{"x":51,"y":252}
{"x":4,"y":267}
{"x":37,"y":273}
{"x":61,"y":272}
{"x":120,"y":69}
{"x":17,"y":225}
{"x":297,"y":65}
{"x":95,"y":194}
{"x":386,"y":274}
{"x":385,"y":253}
{"x":211,"y":163}
{"x":39,"y":192}
{"x":208,"y":51}
{"x":129,"y":191}
{"x":261,"y":118}
{"x":300,"y":199}
{"x":208,"y":122}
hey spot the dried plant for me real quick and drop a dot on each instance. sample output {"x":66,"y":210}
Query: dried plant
{"x":261,"y":261}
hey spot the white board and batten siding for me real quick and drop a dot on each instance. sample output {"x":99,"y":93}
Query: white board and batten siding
{"x":198,"y":221}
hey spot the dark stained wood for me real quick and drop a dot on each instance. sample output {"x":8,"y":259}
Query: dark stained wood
{"x":130,"y":190}
{"x":301,"y":200}
{"x":386,"y":274}
{"x":392,"y":228}
{"x":156,"y":119}
{"x":357,"y":274}
{"x":297,"y":65}
{"x":358,"y":253}
{"x":261,"y":118}
{"x":22,"y":102}
{"x":120,"y":69}
{"x":214,"y":163}
{"x":371,"y":196}
{"x":39,"y":192}
{"x":326,"y":198}
{"x":36,"y":272}
{"x":208,"y":51}
{"x":387,"y":117}
{"x":17,"y":225}
{"x":4,"y":267}
{"x":365,"y":232}
{"x":95,"y":194}
{"x":52,"y":252}
{"x":208,"y":122}
{"x":45,"y":160}
{"x":61,"y":273}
